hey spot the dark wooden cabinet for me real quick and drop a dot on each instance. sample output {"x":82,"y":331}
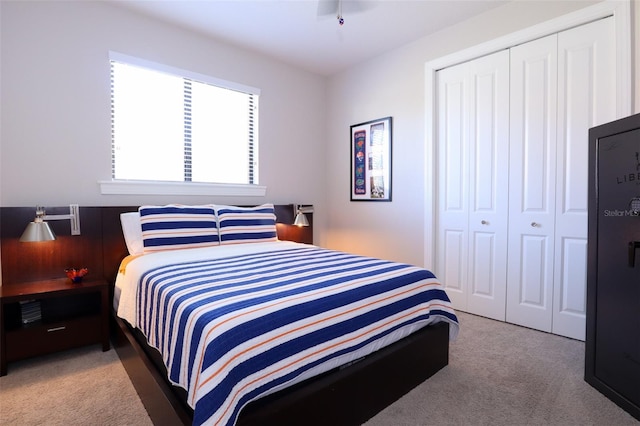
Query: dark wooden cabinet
{"x":68,"y":315}
{"x":613,"y":276}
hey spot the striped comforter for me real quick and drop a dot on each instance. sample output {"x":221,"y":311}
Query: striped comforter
{"x":234,"y":328}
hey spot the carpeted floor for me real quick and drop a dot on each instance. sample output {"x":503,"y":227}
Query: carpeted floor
{"x":84,"y":386}
{"x":498,"y":374}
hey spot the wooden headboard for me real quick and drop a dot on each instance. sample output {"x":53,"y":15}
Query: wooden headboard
{"x":100,"y":247}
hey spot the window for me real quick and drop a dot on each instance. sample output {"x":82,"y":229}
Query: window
{"x":178,"y":126}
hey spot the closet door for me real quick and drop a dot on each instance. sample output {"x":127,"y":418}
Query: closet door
{"x":488,"y":184}
{"x":574,"y":70}
{"x":586,"y":98}
{"x":473,"y":183}
{"x":532,"y":179}
{"x":453,"y":184}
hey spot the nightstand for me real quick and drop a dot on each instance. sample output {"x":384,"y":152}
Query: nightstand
{"x":46,"y":316}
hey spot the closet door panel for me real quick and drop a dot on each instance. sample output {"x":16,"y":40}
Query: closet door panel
{"x":534,"y":249}
{"x":532,"y":178}
{"x":570,"y":296}
{"x":488,"y":184}
{"x":453,"y":248}
{"x":453,"y":192}
{"x":586,"y":98}
{"x":483,"y":248}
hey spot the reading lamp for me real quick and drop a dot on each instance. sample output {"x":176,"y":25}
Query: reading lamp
{"x":301,"y":218}
{"x":39,"y":230}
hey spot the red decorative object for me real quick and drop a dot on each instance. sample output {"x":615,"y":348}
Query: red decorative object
{"x":75,"y":275}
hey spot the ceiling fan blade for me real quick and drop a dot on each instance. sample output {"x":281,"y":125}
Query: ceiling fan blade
{"x":327,"y":7}
{"x":357,"y":6}
{"x":330,"y":7}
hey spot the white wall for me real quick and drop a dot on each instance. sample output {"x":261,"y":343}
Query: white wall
{"x":54,"y":113}
{"x":393,"y":85}
{"x":55,"y":105}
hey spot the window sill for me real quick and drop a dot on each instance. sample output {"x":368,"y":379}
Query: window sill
{"x":137,"y":187}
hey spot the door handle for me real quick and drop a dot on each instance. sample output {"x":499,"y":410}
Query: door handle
{"x":633,"y":245}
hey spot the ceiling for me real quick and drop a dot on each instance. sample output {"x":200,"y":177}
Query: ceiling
{"x":306,"y":33}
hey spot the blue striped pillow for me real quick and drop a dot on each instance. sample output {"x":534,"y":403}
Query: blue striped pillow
{"x":246,"y":224}
{"x":176,"y":226}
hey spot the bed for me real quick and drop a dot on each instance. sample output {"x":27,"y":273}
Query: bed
{"x":239,"y":321}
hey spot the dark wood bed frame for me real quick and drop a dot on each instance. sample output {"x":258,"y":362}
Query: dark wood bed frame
{"x":349,"y":395}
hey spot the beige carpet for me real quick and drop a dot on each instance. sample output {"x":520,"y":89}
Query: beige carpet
{"x":498,"y":374}
{"x":79,"y":387}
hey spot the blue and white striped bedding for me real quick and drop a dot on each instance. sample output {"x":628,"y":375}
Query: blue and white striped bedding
{"x":234,"y":325}
{"x":176,"y":226}
{"x":240,"y":225}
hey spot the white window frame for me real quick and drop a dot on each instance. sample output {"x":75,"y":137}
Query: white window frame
{"x":150,"y":187}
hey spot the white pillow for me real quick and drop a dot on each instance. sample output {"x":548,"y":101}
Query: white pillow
{"x":132,"y":232}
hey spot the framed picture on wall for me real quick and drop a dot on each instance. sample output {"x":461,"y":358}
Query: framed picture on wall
{"x":371,"y":160}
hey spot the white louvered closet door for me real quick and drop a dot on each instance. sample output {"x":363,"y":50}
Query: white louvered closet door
{"x":473,"y":183}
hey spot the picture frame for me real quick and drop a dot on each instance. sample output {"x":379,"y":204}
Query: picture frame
{"x":371,"y":163}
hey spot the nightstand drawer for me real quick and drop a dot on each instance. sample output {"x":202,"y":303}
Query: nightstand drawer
{"x":45,"y":338}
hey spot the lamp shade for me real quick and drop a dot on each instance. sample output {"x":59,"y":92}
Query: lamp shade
{"x":37,"y":230}
{"x":301,"y":219}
